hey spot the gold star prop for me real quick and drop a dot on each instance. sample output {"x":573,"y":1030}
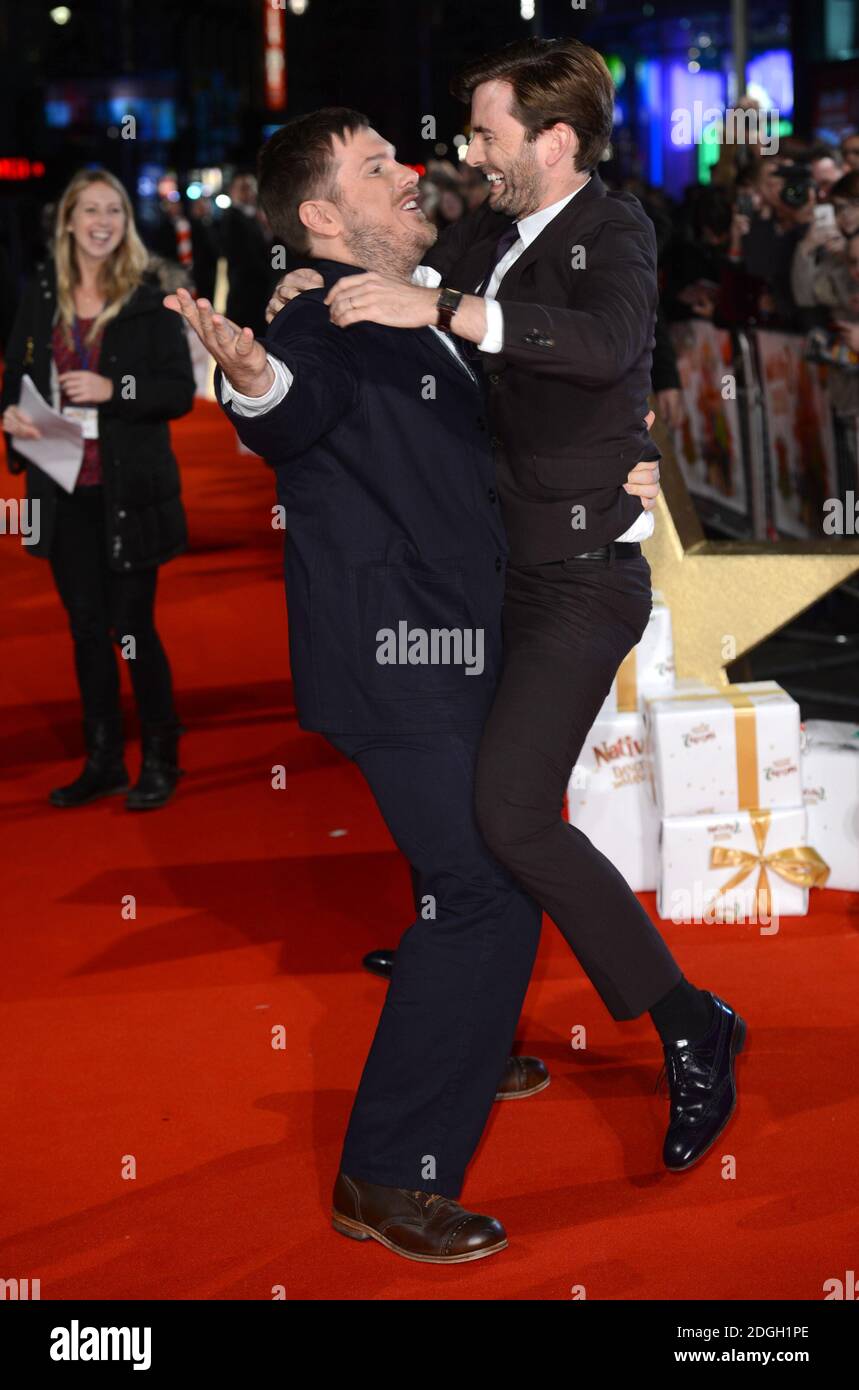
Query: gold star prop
{"x":725,"y":597}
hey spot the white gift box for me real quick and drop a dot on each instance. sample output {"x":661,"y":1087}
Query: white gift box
{"x":830,"y":790}
{"x":648,"y":668}
{"x":702,"y":855}
{"x":731,"y":749}
{"x":610,"y":801}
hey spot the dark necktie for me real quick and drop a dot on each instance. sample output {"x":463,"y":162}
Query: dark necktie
{"x":505,"y":241}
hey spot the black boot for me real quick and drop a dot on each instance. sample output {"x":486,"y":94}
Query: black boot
{"x":159,"y":770}
{"x":104,"y":772}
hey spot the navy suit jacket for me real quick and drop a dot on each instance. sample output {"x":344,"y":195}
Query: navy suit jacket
{"x":385,"y":471}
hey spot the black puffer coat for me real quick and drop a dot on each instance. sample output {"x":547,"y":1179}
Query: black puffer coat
{"x":145,"y":353}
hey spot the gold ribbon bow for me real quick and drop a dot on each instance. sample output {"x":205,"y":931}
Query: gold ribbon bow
{"x":800,"y":865}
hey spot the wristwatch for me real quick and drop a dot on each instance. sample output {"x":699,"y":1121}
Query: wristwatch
{"x":447,"y":305}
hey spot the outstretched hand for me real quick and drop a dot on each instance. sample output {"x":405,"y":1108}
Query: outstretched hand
{"x":240,"y":357}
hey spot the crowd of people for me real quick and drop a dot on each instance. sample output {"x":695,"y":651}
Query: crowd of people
{"x":772,"y":242}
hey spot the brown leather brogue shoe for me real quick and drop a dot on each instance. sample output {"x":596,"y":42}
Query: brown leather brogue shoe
{"x":523,"y":1076}
{"x":419,"y":1225}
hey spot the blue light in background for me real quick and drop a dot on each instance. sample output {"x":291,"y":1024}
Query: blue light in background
{"x":693,"y":92}
{"x":650,"y":85}
{"x":58,"y":114}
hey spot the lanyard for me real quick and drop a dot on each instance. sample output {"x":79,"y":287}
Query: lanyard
{"x":82,"y":352}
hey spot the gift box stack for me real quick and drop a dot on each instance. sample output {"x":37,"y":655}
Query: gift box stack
{"x":733,"y":824}
{"x":703,"y":794}
{"x":609,"y":796}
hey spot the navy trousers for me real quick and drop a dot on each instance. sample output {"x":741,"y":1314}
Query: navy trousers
{"x":460,"y":976}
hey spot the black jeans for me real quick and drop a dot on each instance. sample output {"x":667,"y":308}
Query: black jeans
{"x":460,"y":974}
{"x":105,"y":607}
{"x":567,"y":628}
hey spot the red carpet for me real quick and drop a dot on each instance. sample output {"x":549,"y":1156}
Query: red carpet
{"x":151,"y":1036}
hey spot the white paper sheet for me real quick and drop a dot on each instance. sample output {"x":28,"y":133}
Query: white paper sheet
{"x":60,"y":451}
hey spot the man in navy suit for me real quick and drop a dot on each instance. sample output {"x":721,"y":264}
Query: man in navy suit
{"x":394,"y":563}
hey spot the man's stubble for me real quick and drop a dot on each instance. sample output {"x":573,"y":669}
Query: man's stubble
{"x":378,"y":248}
{"x":522,"y":191}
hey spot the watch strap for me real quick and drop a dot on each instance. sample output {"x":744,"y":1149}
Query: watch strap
{"x":447,"y":304}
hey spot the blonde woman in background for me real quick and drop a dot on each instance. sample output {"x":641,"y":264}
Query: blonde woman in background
{"x":92,"y":333}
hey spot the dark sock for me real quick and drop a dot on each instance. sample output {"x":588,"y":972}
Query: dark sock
{"x":684,"y":1012}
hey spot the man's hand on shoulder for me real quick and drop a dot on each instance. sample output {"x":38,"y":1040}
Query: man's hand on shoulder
{"x":291,"y":285}
{"x":240,"y":357}
{"x":373,"y":297}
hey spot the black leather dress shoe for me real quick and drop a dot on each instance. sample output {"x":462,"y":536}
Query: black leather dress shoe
{"x":702,"y":1087}
{"x":380,"y":962}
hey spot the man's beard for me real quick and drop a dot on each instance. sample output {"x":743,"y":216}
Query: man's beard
{"x":378,"y":248}
{"x":520,"y":192}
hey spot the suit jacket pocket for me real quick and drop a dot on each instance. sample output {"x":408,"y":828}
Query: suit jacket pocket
{"x":413,"y":632}
{"x":572,"y":475}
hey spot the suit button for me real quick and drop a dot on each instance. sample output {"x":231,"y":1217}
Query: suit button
{"x":127,"y":565}
{"x":494,"y":378}
{"x":121,"y":515}
{"x":495,"y":442}
{"x":492,"y":495}
{"x":498,"y":564}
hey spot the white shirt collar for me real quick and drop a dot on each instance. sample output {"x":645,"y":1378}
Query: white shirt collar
{"x":531,"y":226}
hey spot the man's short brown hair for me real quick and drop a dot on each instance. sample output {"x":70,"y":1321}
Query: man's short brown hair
{"x":297,"y":163}
{"x":552,"y":80}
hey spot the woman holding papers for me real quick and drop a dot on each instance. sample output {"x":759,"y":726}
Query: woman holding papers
{"x":94,"y":340}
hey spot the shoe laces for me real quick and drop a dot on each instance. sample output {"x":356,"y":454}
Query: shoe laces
{"x":675,"y":1061}
{"x":426,"y":1199}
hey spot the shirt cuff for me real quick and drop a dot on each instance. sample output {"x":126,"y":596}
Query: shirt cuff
{"x":427,"y":276}
{"x":259,"y":405}
{"x":641,"y":528}
{"x":493,"y":341}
